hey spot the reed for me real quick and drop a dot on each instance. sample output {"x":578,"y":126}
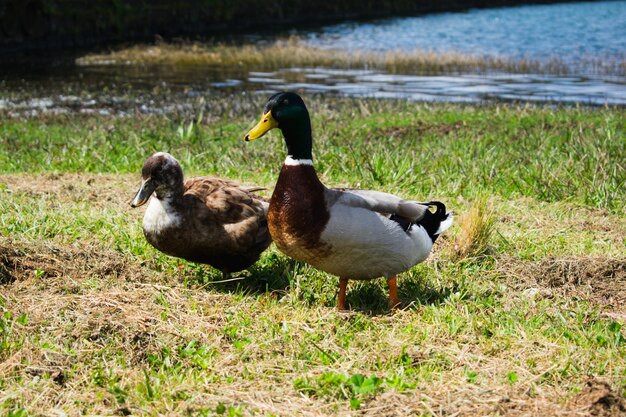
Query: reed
{"x":293,"y":53}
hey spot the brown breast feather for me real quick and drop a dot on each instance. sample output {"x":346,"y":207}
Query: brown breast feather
{"x":297,"y":214}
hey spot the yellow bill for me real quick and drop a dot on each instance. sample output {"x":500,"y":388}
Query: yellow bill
{"x":266,"y":124}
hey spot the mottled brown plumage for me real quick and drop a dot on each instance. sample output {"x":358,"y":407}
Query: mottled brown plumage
{"x":205,"y":219}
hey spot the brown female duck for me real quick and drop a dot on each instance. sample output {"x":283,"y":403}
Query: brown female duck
{"x":206,"y":220}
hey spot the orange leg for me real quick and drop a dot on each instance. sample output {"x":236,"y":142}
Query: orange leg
{"x":394,"y":301}
{"x":341,"y":300}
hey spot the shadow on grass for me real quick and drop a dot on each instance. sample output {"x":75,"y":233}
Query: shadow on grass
{"x":269,"y":275}
{"x":372,"y":297}
{"x":278,"y":275}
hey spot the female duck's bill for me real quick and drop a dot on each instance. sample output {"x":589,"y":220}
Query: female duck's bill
{"x":143,"y":195}
{"x":161,"y":172}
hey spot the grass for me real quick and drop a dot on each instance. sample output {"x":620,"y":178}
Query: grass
{"x":96,"y":322}
{"x":294,"y":53}
{"x":551,"y":155}
{"x":476,"y":228}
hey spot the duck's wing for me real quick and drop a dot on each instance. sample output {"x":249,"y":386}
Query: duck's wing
{"x":384,"y":203}
{"x":264,"y":201}
{"x":242,"y":214}
{"x":226,"y":199}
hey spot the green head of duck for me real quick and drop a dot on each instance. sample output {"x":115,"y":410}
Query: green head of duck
{"x":287,"y":112}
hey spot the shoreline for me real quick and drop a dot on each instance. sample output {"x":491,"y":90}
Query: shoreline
{"x":31,"y":27}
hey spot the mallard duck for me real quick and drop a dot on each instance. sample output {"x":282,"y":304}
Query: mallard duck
{"x":206,"y":220}
{"x":353,"y":234}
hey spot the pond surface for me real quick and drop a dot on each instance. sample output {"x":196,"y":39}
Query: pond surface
{"x":574,"y":32}
{"x":451,"y":88}
{"x":569,"y":31}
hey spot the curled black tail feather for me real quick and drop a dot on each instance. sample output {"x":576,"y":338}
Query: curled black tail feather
{"x":441,"y":209}
{"x":432,"y":221}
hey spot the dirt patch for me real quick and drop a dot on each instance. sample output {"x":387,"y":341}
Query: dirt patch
{"x":7,"y":264}
{"x":97,"y":189}
{"x":599,"y":400}
{"x":599,"y":280}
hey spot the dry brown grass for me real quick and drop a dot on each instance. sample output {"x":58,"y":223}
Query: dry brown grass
{"x":86,"y":322}
{"x":596,"y":399}
{"x":602,"y":281}
{"x":97,"y":317}
{"x":293,"y":53}
{"x":477,"y":226}
{"x":99,"y":190}
{"x":120,"y":318}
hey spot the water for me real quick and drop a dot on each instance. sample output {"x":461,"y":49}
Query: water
{"x":580,"y":35}
{"x":450,"y":88}
{"x":575,"y":32}
{"x":569,"y":31}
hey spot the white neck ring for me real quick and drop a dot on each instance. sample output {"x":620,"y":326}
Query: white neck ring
{"x":292,"y":162}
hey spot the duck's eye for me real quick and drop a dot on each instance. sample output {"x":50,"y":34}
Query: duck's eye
{"x":265,"y":121}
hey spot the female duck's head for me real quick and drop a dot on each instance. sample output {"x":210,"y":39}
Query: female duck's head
{"x":287,"y":112}
{"x":161,"y":173}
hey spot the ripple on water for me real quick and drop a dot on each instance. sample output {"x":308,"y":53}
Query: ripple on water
{"x":475,"y":88}
{"x":352,"y":83}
